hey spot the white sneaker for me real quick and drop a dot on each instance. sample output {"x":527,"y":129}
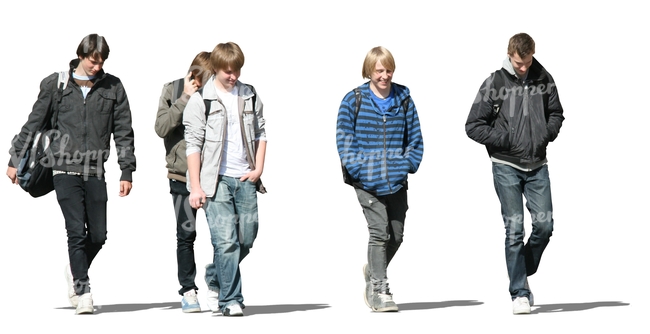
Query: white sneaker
{"x":520,"y":306}
{"x":72,"y":295}
{"x":213,"y":300}
{"x":190,"y":303}
{"x":233,"y":310}
{"x":85,"y":305}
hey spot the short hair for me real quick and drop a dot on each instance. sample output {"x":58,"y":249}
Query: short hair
{"x":377,"y":54}
{"x":227,"y":55}
{"x":94,"y":46}
{"x":201,"y":67}
{"x":521,"y":44}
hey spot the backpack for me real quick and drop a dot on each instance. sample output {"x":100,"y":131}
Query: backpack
{"x":347,"y":178}
{"x":34,"y":171}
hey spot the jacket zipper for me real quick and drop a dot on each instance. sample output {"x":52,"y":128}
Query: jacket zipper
{"x":384,"y":163}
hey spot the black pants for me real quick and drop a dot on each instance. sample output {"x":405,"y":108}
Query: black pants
{"x":83,"y":203}
{"x":185,"y":235}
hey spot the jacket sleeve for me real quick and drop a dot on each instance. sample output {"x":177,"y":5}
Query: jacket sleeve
{"x":478,"y":126}
{"x":415,"y":142}
{"x":260,"y":124}
{"x":35,"y":120}
{"x":170,"y":113}
{"x":346,"y":142}
{"x":554,"y":111}
{"x":194,"y":122}
{"x":123,"y":134}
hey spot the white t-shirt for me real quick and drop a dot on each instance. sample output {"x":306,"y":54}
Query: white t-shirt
{"x":84,"y":89}
{"x":234,"y":162}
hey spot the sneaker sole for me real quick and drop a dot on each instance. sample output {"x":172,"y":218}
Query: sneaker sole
{"x":85,"y":310}
{"x":192,"y":310}
{"x":386,"y":309}
{"x":227,"y":313}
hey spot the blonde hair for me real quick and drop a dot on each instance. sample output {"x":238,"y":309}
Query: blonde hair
{"x":227,"y":55}
{"x":377,"y":54}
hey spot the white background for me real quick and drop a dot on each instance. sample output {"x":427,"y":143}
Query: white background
{"x":304,"y":273}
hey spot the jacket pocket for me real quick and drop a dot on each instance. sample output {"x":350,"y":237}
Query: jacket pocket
{"x":214,"y":126}
{"x":106,"y":101}
{"x":249,"y":125}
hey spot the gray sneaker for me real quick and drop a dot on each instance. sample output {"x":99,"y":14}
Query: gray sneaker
{"x":367,"y":294}
{"x":383,"y":302}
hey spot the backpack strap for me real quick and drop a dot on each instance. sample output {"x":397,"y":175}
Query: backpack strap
{"x":497,"y":85}
{"x":209,"y":102}
{"x":177,"y":90}
{"x":357,"y":96}
{"x":62,"y":84}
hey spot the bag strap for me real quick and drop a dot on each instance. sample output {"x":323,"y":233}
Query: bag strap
{"x":177,"y":90}
{"x":497,"y":85}
{"x":209,"y":102}
{"x":62,"y":84}
{"x":357,"y":96}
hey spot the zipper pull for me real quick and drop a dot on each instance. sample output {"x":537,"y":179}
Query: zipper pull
{"x":384,"y":118}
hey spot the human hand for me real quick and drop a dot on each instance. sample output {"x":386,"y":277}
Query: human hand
{"x":197,"y":198}
{"x":11,"y":173}
{"x":190,"y":85}
{"x":252,"y":176}
{"x":125,"y":188}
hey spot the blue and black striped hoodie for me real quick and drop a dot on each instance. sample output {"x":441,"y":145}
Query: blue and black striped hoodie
{"x":382,"y":148}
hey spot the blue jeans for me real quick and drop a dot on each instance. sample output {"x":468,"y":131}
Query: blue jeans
{"x":385,"y":216}
{"x":523,"y":259}
{"x":185,"y":235}
{"x":83,"y":203}
{"x":232,"y":218}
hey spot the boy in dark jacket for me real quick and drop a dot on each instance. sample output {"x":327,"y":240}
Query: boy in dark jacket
{"x":517,"y":112}
{"x":92,"y":108}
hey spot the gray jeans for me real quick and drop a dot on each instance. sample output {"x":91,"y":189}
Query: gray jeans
{"x":385,"y":216}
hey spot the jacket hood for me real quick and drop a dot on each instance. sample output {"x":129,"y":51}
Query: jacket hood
{"x":535,"y":72}
{"x":400,"y":93}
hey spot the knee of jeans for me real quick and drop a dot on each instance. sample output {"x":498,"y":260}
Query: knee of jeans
{"x":543,"y":230}
{"x":247,"y":243}
{"x":376,"y":240}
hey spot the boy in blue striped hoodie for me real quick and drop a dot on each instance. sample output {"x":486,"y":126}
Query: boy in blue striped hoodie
{"x":380,"y":142}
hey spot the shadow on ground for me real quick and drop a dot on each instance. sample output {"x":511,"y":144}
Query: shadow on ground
{"x":249,"y":310}
{"x":435,"y":305}
{"x":571,"y":307}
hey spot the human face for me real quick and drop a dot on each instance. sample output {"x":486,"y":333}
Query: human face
{"x":226,"y":79}
{"x":90,"y":65}
{"x":381,"y":79}
{"x":521,"y":65}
